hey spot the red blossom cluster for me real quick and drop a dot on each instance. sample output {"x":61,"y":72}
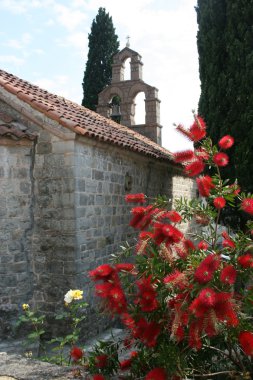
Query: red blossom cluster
{"x":76,"y":354}
{"x":183,"y":291}
{"x":110,"y":288}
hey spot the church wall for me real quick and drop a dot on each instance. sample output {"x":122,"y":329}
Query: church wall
{"x":16,"y":202}
{"x":103,"y":174}
{"x":63,"y":213}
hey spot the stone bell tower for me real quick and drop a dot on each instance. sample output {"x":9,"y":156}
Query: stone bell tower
{"x":126,"y":91}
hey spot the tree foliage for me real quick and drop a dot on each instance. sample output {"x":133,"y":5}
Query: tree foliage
{"x":103,"y":44}
{"x":225,"y":40}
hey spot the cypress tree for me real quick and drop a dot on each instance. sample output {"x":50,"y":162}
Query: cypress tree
{"x":103,"y":44}
{"x":225,"y":46}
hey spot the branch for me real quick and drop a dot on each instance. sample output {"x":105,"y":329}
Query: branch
{"x":216,"y":374}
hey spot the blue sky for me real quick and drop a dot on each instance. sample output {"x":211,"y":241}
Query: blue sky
{"x":46,"y":43}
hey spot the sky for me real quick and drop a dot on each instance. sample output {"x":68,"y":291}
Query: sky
{"x":46,"y":43}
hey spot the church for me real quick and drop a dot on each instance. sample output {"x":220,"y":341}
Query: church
{"x":64,"y":174}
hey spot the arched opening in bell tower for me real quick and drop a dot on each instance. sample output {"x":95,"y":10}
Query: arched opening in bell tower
{"x":127,"y":69}
{"x":114,"y":104}
{"x":140,"y":112}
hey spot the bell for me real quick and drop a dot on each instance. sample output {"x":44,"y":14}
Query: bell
{"x":116,"y":115}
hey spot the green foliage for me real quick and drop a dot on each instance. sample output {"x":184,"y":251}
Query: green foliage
{"x":103,"y":44}
{"x":225,"y":40}
{"x":109,"y":350}
{"x":73,"y":315}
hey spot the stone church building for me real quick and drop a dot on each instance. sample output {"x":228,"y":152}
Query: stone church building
{"x":64,"y":173}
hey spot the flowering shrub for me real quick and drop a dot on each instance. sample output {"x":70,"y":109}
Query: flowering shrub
{"x":187,"y":301}
{"x":73,"y":315}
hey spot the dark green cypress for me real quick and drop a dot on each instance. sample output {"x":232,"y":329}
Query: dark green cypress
{"x":225,"y":46}
{"x":103,"y":44}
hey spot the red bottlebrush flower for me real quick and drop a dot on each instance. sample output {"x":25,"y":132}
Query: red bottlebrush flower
{"x":185,"y":132}
{"x":194,"y":168}
{"x":194,"y":336}
{"x":183,"y":248}
{"x":227,"y":241}
{"x":179,"y":333}
{"x":173,"y":216}
{"x":205,"y":185}
{"x":198,"y":129}
{"x":224,"y":309}
{"x":207,"y":297}
{"x":156,"y":374}
{"x":203,"y":245}
{"x":147,"y":332}
{"x":184,"y":156}
{"x":172,"y":232}
{"x":135,"y":198}
{"x":126,"y":267}
{"x":221,"y":159}
{"x":219,"y":202}
{"x":103,"y":290}
{"x":117,"y":300}
{"x":205,"y":270}
{"x":228,"y":275}
{"x":147,"y":295}
{"x":166,"y":233}
{"x":246,"y":261}
{"x":145,"y":235}
{"x":147,"y":301}
{"x":134,"y":354}
{"x":102,"y":272}
{"x":202,"y":153}
{"x":247,"y":205}
{"x":177,"y":279}
{"x":128,"y":321}
{"x":236,"y":189}
{"x":101,"y":361}
{"x":76,"y":354}
{"x":98,"y":377}
{"x":246,"y":342}
{"x":226,"y":142}
{"x":125,"y":364}
{"x":140,"y":219}
{"x":189,"y":244}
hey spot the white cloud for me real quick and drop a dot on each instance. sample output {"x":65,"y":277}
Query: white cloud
{"x":77,"y":40}
{"x":11,"y":59}
{"x":68,"y":17}
{"x":39,"y":51}
{"x":21,"y":43}
{"x":23,"y":6}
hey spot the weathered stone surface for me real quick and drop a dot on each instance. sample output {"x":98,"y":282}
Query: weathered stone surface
{"x":21,"y":368}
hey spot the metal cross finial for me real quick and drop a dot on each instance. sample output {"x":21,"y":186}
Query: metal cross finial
{"x":128,"y":42}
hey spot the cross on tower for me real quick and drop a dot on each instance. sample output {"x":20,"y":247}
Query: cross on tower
{"x":128,"y":42}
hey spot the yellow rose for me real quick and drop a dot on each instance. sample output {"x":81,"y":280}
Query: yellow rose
{"x":77,"y":294}
{"x":73,"y":295}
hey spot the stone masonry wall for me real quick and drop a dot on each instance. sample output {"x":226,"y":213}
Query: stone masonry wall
{"x":104,"y":175}
{"x":42,"y":195}
{"x":67,"y":212}
{"x":16,"y":220}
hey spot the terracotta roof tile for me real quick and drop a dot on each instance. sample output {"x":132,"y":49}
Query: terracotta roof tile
{"x":80,"y":119}
{"x":13,"y":129}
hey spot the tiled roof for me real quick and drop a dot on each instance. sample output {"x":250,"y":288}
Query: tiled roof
{"x":80,"y":119}
{"x":9,"y":127}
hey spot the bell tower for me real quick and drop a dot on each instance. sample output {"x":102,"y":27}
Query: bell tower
{"x":117,"y":101}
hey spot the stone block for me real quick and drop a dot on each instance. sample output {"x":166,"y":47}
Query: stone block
{"x":97,"y":174}
{"x":44,"y":148}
